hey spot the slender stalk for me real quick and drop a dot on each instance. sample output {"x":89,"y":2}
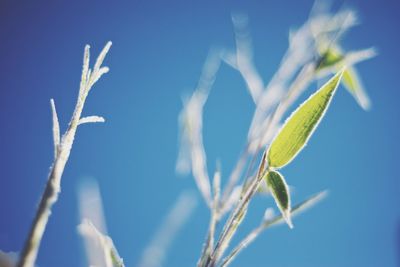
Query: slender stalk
{"x":243,"y":244}
{"x":235,"y":175}
{"x":293,"y":93}
{"x":210,"y":239}
{"x":62,"y":152}
{"x":268,"y":223}
{"x":236,"y":217}
{"x":214,"y":218}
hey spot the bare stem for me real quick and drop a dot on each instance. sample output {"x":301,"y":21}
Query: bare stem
{"x":62,"y":152}
{"x":234,"y":221}
{"x":214,"y":218}
{"x":208,"y":245}
{"x":268,"y":223}
{"x":243,"y":244}
{"x":235,"y":175}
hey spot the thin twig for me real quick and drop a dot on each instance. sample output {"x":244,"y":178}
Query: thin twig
{"x":52,"y":189}
{"x":56,"y":128}
{"x":270,"y":222}
{"x":246,"y":67}
{"x":214,"y":218}
{"x":234,"y":177}
{"x":192,"y":154}
{"x":236,"y":217}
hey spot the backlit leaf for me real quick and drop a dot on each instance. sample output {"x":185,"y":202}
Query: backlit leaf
{"x":354,"y":86}
{"x":280,"y":191}
{"x":299,"y":127}
{"x":333,"y":59}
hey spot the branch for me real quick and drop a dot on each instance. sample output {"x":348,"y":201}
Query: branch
{"x":154,"y":254}
{"x":268,"y":222}
{"x":91,"y":119}
{"x":52,"y":189}
{"x":235,"y":218}
{"x":108,"y":253}
{"x":56,"y":128}
{"x":215,"y":214}
{"x":192,"y":154}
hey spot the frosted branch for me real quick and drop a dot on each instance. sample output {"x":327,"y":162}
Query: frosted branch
{"x":354,"y":57}
{"x":192,"y":155}
{"x":244,"y":57}
{"x":91,"y":119}
{"x":52,"y":189}
{"x":56,"y":128}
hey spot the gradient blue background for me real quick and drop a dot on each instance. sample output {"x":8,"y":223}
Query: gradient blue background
{"x":158,"y":52}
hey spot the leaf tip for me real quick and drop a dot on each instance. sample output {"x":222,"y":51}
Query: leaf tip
{"x":288,"y":218}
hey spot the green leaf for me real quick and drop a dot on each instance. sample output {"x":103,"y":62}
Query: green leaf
{"x":280,"y":191}
{"x":353,"y":85}
{"x":299,"y":127}
{"x":329,"y":58}
{"x":334,"y":59}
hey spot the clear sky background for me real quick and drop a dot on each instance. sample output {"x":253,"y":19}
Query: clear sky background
{"x":158,"y":51}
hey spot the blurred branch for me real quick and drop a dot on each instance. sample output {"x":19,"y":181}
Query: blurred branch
{"x":192,"y":154}
{"x":154,"y":254}
{"x":93,"y":226}
{"x":108,"y":253}
{"x":215,"y":214}
{"x":242,"y":60}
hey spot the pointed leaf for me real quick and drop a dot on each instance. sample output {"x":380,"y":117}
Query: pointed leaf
{"x":280,"y":191}
{"x":334,"y":59}
{"x":353,"y":85}
{"x":299,"y":127}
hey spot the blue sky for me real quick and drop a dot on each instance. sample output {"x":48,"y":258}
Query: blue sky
{"x":157,"y":55}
